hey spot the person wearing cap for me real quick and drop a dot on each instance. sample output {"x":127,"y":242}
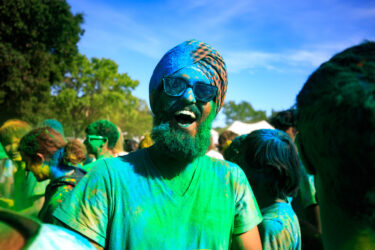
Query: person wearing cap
{"x":170,"y":195}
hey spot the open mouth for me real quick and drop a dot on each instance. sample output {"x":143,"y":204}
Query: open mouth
{"x":185,"y":117}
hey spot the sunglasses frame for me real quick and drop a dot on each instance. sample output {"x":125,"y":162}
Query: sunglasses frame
{"x":193,"y":87}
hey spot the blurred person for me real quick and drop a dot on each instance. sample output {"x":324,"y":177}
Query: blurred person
{"x":49,"y":156}
{"x":53,"y":123}
{"x":131,"y":145}
{"x":212,"y":150}
{"x":146,"y":142}
{"x":21,"y":232}
{"x":118,"y":149}
{"x":272,"y":167}
{"x":6,"y":179}
{"x":27,"y":194}
{"x":225,"y":139}
{"x":234,"y":152}
{"x":101,"y":138}
{"x":170,"y":195}
{"x":305,"y":203}
{"x":336,"y":140}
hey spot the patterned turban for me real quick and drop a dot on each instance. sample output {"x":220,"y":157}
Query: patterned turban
{"x":189,"y":53}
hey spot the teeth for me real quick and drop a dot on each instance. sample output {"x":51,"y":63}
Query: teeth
{"x":186,"y":112}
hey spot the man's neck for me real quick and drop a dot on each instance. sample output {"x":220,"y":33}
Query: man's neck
{"x":168,"y":165}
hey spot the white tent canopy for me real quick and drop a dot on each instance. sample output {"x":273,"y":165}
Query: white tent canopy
{"x":242,"y":128}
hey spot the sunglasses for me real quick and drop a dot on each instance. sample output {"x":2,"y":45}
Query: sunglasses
{"x":91,"y":138}
{"x":177,"y":86}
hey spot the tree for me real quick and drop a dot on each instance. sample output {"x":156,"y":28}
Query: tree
{"x":94,"y":90}
{"x":37,"y":45}
{"x":242,"y":112}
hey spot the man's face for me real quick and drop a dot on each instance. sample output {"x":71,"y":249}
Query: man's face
{"x":41,"y":170}
{"x":94,"y":144}
{"x":11,"y":148}
{"x":185,"y":112}
{"x":182,"y":122}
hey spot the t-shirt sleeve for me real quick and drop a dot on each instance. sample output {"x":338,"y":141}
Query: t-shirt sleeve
{"x":247,"y":213}
{"x":86,"y":208}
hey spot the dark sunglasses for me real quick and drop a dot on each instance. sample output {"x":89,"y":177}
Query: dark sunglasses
{"x":91,"y":138}
{"x":177,"y":87}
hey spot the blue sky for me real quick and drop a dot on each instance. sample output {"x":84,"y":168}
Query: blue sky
{"x":270,"y":46}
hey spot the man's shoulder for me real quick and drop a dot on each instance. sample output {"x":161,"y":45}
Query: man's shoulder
{"x":122,"y":164}
{"x":219,"y":166}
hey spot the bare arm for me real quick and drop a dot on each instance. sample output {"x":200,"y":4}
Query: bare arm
{"x":249,"y":240}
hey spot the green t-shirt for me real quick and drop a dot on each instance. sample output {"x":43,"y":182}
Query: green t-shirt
{"x":123,"y":203}
{"x":27,"y":190}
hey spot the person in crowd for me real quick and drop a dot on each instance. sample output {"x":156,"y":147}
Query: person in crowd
{"x":146,"y":142}
{"x":101,"y":138}
{"x":305,"y":203}
{"x":28,"y":194}
{"x":336,"y":140}
{"x":6,"y":179}
{"x":118,"y":149}
{"x":272,"y":167}
{"x":234,"y":152}
{"x":48,"y":156}
{"x":131,"y":145}
{"x":170,"y":195}
{"x":21,"y":232}
{"x":225,"y":139}
{"x":212,"y":150}
{"x":53,"y":123}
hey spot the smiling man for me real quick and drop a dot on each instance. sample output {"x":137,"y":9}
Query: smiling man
{"x":171,"y":196}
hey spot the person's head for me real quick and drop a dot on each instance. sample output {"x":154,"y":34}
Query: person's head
{"x":146,"y":142}
{"x":285,"y":121}
{"x":225,"y":139}
{"x":38,"y":148}
{"x":187,"y":89}
{"x":271,"y":164}
{"x":119,"y":146}
{"x":131,"y":145}
{"x":75,"y":153}
{"x":52,"y":123}
{"x":101,"y":137}
{"x":234,"y":152}
{"x":11,"y":133}
{"x":336,"y":140}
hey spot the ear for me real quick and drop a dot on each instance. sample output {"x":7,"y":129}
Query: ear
{"x":40,"y":157}
{"x":104,"y":144}
{"x":304,"y":158}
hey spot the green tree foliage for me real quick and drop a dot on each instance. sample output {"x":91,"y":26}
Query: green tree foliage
{"x":242,"y":112}
{"x":37,"y":44}
{"x":93,"y":90}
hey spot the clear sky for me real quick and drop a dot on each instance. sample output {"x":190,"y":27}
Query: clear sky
{"x":270,"y":46}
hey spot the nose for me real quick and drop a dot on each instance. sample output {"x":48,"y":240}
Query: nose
{"x":188,"y":96}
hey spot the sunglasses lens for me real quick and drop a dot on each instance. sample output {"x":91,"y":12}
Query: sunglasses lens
{"x":204,"y":92}
{"x":174,"y":86}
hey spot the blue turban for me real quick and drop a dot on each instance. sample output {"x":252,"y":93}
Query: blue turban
{"x":189,"y":53}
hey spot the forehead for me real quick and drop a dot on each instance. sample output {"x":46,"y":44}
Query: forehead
{"x":191,"y":73}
